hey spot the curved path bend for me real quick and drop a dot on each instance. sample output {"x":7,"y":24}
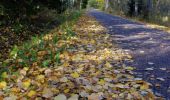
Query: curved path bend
{"x":150,"y":49}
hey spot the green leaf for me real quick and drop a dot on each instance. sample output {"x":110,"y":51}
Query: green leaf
{"x":70,"y":33}
{"x":55,"y":39}
{"x":14,"y":52}
{"x":42,"y":45}
{"x":46,"y":63}
{"x":57,"y":57}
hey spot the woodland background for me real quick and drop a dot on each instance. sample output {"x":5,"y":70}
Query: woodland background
{"x":155,"y":11}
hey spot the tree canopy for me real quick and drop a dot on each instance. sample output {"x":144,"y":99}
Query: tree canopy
{"x":22,"y":9}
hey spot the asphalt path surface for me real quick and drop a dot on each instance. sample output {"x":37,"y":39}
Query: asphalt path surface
{"x":150,"y":49}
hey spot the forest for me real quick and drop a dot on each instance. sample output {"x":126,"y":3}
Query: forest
{"x":25,"y":9}
{"x":155,"y":11}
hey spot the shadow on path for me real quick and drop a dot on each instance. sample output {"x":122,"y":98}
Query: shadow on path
{"x":149,"y":47}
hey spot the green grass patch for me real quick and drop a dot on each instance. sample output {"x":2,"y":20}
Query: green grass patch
{"x":27,"y":54}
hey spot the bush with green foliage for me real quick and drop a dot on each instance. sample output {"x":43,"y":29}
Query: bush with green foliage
{"x":99,"y":4}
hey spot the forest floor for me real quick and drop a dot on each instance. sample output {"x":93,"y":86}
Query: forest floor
{"x":77,"y":63}
{"x":149,"y":47}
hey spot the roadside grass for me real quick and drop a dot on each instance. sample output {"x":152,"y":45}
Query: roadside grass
{"x":21,"y":31}
{"x":43,"y":50}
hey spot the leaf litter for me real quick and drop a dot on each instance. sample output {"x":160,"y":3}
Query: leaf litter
{"x":91,"y":68}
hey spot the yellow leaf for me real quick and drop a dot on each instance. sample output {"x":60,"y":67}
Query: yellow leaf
{"x":129,"y":68}
{"x":108,"y":65}
{"x":75,"y":75}
{"x":101,"y":82}
{"x":26,"y":84}
{"x":4,"y":75}
{"x":66,"y":64}
{"x":144,"y":86}
{"x":66,"y":90}
{"x":26,"y":68}
{"x":114,"y":95}
{"x":40,"y":78}
{"x":31,"y":93}
{"x":92,"y":41}
{"x":15,"y":90}
{"x":42,"y":53}
{"x":3,"y":84}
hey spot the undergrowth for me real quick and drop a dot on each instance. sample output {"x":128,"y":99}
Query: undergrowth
{"x":42,"y":50}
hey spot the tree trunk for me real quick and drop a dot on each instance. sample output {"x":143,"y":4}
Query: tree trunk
{"x":149,"y":5}
{"x":78,"y":4}
{"x":136,"y":8}
{"x":106,"y":4}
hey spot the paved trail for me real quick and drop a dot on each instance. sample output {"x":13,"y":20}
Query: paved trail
{"x":149,"y":47}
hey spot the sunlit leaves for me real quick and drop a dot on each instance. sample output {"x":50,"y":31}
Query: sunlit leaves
{"x":26,"y":84}
{"x":86,"y":66}
{"x":40,"y":78}
{"x":31,"y":93}
{"x":3,"y":84}
{"x":75,"y":75}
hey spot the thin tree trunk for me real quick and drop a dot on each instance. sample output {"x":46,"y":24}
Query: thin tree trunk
{"x":149,"y":5}
{"x":106,"y":4}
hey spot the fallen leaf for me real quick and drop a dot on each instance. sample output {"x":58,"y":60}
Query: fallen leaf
{"x":60,"y":97}
{"x":26,"y":68}
{"x":40,"y":78}
{"x":129,"y":68}
{"x":93,"y":97}
{"x":4,"y":75}
{"x":144,"y":86}
{"x":23,"y":72}
{"x":149,"y":69}
{"x":161,"y":79}
{"x":66,"y":90}
{"x":75,"y":75}
{"x":150,"y":63}
{"x":26,"y":84}
{"x":48,"y":72}
{"x":108,"y":65}
{"x":3,"y":84}
{"x":42,"y":53}
{"x":74,"y":97}
{"x":84,"y":94}
{"x":11,"y":97}
{"x":47,"y":93}
{"x":15,"y":90}
{"x":31,"y":93}
{"x":101,"y":82}
{"x":64,"y":79}
{"x":163,"y":69}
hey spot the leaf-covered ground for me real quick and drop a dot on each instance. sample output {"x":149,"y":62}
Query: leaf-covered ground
{"x":18,"y":32}
{"x":83,"y":65}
